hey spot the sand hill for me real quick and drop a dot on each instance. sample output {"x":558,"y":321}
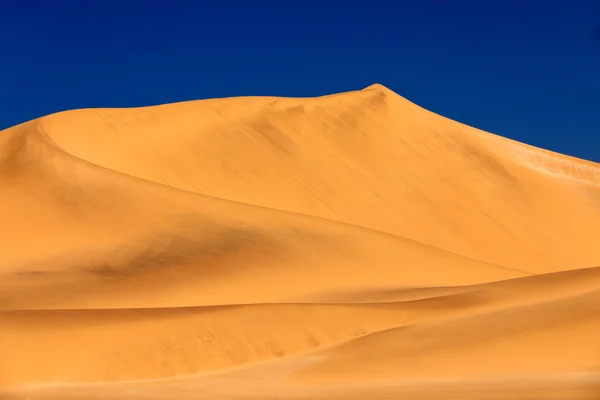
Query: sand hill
{"x":347,"y":246}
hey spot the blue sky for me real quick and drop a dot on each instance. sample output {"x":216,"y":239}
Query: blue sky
{"x":528,"y":69}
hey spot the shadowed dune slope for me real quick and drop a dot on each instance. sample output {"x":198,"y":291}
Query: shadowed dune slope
{"x":255,"y":246}
{"x":107,"y":240}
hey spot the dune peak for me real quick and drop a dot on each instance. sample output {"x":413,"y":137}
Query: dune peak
{"x":380,"y":88}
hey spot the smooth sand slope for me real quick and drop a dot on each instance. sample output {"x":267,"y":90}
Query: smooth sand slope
{"x":345,"y":246}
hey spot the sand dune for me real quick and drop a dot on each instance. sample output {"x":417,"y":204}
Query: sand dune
{"x":321,"y":247}
{"x":344,"y":156}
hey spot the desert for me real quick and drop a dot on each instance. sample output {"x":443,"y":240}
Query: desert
{"x":346,"y":246}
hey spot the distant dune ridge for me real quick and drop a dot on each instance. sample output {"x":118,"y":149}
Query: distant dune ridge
{"x":353,"y":245}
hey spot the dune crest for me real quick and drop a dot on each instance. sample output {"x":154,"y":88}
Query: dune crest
{"x":358,"y":237}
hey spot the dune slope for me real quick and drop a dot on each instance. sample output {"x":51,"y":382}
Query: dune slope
{"x":256,"y":245}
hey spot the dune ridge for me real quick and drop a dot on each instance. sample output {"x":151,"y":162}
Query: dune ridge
{"x":290,"y":245}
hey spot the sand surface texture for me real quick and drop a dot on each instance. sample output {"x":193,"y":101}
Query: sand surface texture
{"x":351,"y":246}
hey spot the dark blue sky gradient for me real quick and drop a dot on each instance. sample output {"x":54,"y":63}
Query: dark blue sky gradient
{"x":528,"y":69}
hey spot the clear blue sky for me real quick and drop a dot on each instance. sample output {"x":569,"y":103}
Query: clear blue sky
{"x":527,"y":69}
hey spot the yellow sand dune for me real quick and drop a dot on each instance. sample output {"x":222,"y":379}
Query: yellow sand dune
{"x":350,"y":241}
{"x":369,"y":158}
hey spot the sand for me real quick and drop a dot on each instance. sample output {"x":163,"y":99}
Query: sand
{"x":348,"y":246}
